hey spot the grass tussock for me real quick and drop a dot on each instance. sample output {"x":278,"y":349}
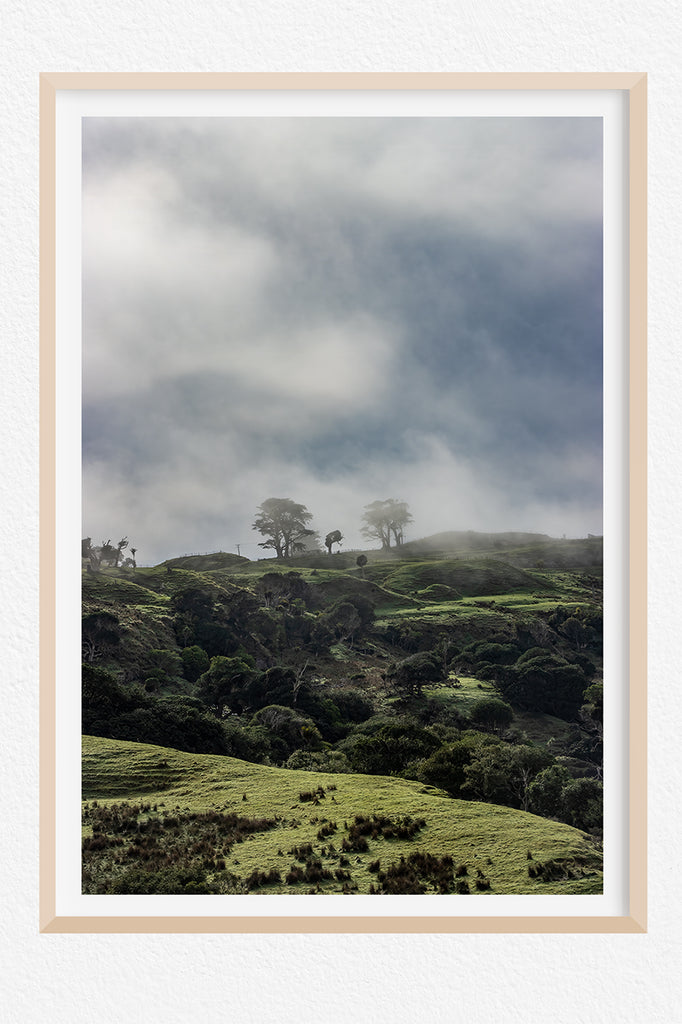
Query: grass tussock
{"x":195,"y":835}
{"x":135,"y":847}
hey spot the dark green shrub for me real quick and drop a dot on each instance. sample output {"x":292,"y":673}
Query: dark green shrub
{"x":583,"y":804}
{"x":532,"y":654}
{"x":226,"y":682}
{"x":390,"y":748}
{"x":546,"y":792}
{"x":353,"y":705}
{"x":128,"y":713}
{"x":501,"y":773}
{"x":100,"y":635}
{"x":195,"y":661}
{"x":445,"y":767}
{"x":544,"y":683}
{"x":491,"y":714}
{"x":493,"y":653}
{"x":165,"y":661}
{"x":318,"y":761}
{"x":410,"y":675}
{"x":594,"y":701}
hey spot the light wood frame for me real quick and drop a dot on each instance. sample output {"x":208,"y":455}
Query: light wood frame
{"x":634,"y":86}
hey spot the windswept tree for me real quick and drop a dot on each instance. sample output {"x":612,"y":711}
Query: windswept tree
{"x":283,"y":523}
{"x":385,"y":521}
{"x":335,"y":537}
{"x":122,"y":544}
{"x":91,"y":553}
{"x":107,"y":553}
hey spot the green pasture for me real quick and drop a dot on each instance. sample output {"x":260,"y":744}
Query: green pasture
{"x":493,"y":842}
{"x":460,"y":692}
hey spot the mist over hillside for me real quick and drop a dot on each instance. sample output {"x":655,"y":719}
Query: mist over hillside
{"x":362,"y":324}
{"x":521,"y":549}
{"x":310,"y":362}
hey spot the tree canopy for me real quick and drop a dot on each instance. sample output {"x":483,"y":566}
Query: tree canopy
{"x":385,"y":521}
{"x":335,"y":537}
{"x":107,"y":553}
{"x":283,"y":523}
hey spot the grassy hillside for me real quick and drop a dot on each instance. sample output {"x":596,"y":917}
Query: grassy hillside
{"x":524,"y":550}
{"x":462,"y":579}
{"x":204,"y":563}
{"x":368,"y":688}
{"x":211,"y":823}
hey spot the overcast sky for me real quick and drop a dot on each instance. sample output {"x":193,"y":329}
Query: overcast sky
{"x":339,"y":310}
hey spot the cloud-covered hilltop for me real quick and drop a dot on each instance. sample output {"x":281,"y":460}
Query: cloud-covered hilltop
{"x":339,"y":310}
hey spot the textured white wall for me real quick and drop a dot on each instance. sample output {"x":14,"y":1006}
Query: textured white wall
{"x":304,"y":978}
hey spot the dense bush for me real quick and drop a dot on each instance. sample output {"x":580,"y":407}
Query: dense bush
{"x":491,"y":714}
{"x":128,"y":713}
{"x":104,"y":699}
{"x":501,"y":773}
{"x":179,"y":722}
{"x":297,"y":628}
{"x":167,"y":661}
{"x":353,"y":705}
{"x":281,"y":589}
{"x":531,"y":654}
{"x":100,"y":635}
{"x":445,"y":767}
{"x":594,"y":701}
{"x":546,"y":683}
{"x":200,"y":621}
{"x":195,"y":661}
{"x":583,"y":804}
{"x":267,"y":626}
{"x":391,"y":748}
{"x":288,"y":730}
{"x":227,"y":682}
{"x":546,"y":791}
{"x":554,"y":793}
{"x":319,"y":761}
{"x":484,"y":651}
{"x":247,"y":742}
{"x":579,"y":628}
{"x":410,"y":675}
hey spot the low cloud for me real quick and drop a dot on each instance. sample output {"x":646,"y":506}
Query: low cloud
{"x":340,"y":310}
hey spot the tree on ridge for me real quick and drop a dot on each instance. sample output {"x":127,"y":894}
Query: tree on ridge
{"x":283,"y":523}
{"x":385,"y":521}
{"x":335,"y":537}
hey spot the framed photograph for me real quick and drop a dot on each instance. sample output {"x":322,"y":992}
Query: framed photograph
{"x":343,"y":405}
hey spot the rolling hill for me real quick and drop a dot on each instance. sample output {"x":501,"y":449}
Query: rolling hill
{"x":150,"y":809}
{"x":285,"y":725}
